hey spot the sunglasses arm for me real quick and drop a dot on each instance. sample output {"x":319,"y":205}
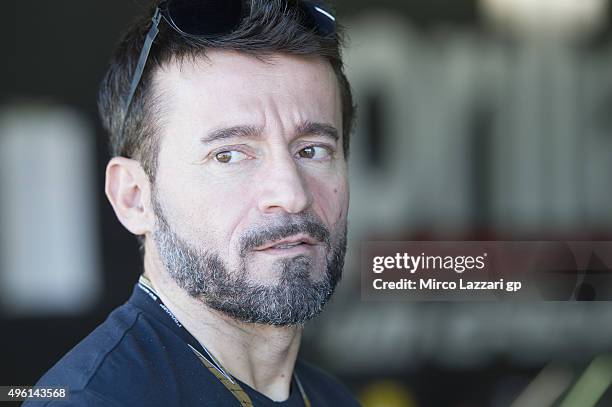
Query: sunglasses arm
{"x":142,"y":60}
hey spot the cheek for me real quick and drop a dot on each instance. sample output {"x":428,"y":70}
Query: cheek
{"x":330,"y":198}
{"x":226,"y":205}
{"x":206,"y":209}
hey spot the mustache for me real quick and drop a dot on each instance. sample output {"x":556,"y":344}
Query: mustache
{"x":289,"y":226}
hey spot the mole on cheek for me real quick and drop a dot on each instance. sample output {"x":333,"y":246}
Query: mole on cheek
{"x":335,"y":190}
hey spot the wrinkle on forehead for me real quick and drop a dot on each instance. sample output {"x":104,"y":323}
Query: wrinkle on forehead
{"x":233,"y":69}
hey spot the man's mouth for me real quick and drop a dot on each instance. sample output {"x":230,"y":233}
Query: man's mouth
{"x":286,"y":246}
{"x":291,"y":242}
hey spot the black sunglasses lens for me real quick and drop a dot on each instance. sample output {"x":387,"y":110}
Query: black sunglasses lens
{"x":318,"y":18}
{"x":206,"y":17}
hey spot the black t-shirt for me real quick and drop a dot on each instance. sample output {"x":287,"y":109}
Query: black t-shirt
{"x":139,"y":357}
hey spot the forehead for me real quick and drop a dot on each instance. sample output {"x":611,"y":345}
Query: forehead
{"x":230,"y":88}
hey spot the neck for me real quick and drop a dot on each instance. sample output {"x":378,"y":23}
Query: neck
{"x":262,"y":356}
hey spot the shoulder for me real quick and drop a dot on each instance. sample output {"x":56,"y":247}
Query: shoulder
{"x":105,"y":361}
{"x":322,"y":388}
{"x":83,"y":361}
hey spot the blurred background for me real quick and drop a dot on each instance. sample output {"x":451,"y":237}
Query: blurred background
{"x":478,"y":120}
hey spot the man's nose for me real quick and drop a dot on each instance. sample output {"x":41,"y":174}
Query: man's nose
{"x":282,"y":186}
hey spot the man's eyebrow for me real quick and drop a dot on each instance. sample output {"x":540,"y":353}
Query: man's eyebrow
{"x":246,"y":131}
{"x":241,"y":131}
{"x":317,"y":129}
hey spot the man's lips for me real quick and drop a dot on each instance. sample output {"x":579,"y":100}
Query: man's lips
{"x":289,"y":242}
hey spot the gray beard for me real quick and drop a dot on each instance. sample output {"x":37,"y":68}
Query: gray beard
{"x":293,"y":300}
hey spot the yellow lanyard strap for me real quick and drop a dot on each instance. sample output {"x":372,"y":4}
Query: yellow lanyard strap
{"x":236,"y":390}
{"x":233,"y":387}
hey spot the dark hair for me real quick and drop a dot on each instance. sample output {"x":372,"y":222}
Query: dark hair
{"x":272,"y":26}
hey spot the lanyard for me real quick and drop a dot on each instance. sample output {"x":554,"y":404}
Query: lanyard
{"x":211,"y":363}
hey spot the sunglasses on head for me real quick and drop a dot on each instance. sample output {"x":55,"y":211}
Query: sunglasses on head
{"x":213,"y":18}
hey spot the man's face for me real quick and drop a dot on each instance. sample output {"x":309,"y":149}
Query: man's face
{"x":251,"y":193}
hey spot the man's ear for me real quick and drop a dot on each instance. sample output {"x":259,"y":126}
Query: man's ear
{"x":128,"y":190}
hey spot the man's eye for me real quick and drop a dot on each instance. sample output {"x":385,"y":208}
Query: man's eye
{"x":230,"y":156}
{"x":314,"y":152}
